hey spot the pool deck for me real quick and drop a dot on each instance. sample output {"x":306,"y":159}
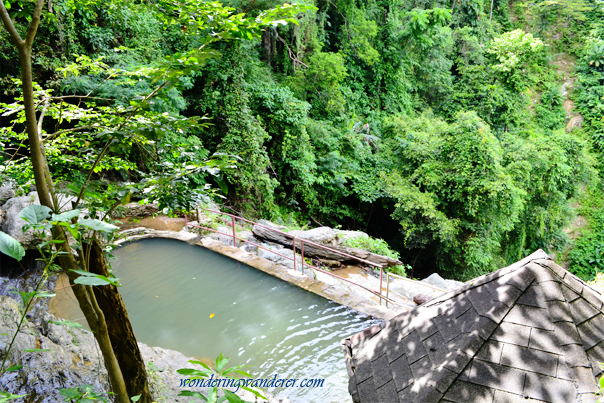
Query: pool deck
{"x":367,"y":307}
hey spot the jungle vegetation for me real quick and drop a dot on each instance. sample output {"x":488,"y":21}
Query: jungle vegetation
{"x":447,"y":128}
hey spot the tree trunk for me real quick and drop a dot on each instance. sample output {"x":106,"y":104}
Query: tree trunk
{"x":491,"y":14}
{"x":94,"y":316}
{"x":120,"y":330}
{"x":84,"y":294}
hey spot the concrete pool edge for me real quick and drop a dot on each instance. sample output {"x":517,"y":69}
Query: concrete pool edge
{"x":293,"y":277}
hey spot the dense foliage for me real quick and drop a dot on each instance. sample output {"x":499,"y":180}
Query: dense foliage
{"x":437,"y":126}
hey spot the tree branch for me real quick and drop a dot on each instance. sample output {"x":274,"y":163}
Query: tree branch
{"x":102,"y":153}
{"x":81,"y":96}
{"x":98,"y":86}
{"x":44,"y":109}
{"x":75,"y":129}
{"x":10,"y":27}
{"x":33,"y":25}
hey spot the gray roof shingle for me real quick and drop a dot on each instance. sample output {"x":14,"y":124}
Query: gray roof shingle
{"x":528,"y":331}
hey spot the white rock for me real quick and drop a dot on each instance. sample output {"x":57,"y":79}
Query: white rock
{"x":322,"y":235}
{"x":6,"y":192}
{"x":225,"y":239}
{"x":437,"y":281}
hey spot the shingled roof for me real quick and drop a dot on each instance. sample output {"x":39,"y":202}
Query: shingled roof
{"x":528,"y":331}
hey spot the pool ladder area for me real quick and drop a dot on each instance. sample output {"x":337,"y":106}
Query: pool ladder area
{"x":301,"y":242}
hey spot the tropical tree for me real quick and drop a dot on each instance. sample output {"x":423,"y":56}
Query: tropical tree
{"x":105,"y":312}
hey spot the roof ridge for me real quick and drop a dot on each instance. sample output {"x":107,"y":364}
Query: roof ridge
{"x":593,"y":296}
{"x":488,"y":277}
{"x":480,"y":334}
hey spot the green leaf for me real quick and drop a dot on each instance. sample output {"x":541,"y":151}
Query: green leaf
{"x":66,"y":216}
{"x":231,"y":397}
{"x":221,"y":361}
{"x":192,"y":372}
{"x":66,"y":323}
{"x":126,"y":199}
{"x":7,"y":4}
{"x":35,"y":350}
{"x":83,"y":272}
{"x":192,"y":394}
{"x":97,"y":225}
{"x":73,"y":231}
{"x":11,"y":247}
{"x":45,"y":294}
{"x":258,"y":394}
{"x":13,"y":368}
{"x":88,"y":278}
{"x":7,"y":397}
{"x":135,"y":398}
{"x":212,"y":394}
{"x":35,"y":214}
{"x":25,"y":296}
{"x":97,"y":281}
{"x":203,"y":364}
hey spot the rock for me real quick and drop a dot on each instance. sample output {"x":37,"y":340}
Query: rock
{"x":246,"y":247}
{"x":273,"y":257}
{"x":133,"y":231}
{"x":13,"y":225}
{"x":190,"y":229}
{"x":225,"y":239}
{"x":409,"y":289}
{"x":247,"y":236}
{"x":322,"y":235}
{"x":139,"y":210}
{"x":6,"y":192}
{"x":437,"y":281}
{"x":273,"y":225}
{"x":73,"y":359}
{"x":318,"y":252}
{"x":422,"y":299}
{"x":344,"y":235}
{"x":575,"y":121}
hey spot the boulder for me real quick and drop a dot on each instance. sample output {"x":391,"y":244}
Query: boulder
{"x":6,"y":192}
{"x":422,"y":299}
{"x":437,"y":281}
{"x":316,"y":251}
{"x":73,"y":359}
{"x":344,"y":235}
{"x":139,"y":210}
{"x":225,"y":239}
{"x":322,"y":235}
{"x":283,"y":261}
{"x":13,"y":225}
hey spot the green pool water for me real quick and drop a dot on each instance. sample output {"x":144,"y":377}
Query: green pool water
{"x":172,"y":288}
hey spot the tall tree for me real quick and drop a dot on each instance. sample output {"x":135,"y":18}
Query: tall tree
{"x":84,"y":294}
{"x":104,"y":309}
